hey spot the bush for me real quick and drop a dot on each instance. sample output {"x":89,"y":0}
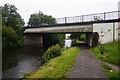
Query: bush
{"x":52,"y":52}
{"x":9,"y":37}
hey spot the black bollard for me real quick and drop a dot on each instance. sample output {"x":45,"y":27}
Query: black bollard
{"x":101,"y":48}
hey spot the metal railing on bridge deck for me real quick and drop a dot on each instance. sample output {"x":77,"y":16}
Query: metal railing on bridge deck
{"x":91,"y":17}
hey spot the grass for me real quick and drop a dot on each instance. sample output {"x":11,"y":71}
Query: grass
{"x":111,"y":74}
{"x":56,"y":67}
{"x":110,"y":55}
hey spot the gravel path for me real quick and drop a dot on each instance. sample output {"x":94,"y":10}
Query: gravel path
{"x":86,"y":65}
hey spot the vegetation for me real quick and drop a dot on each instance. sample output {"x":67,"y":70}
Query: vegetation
{"x":9,"y":37}
{"x":39,"y":18}
{"x":112,"y":74}
{"x":52,"y":39}
{"x":12,"y":26}
{"x":78,"y":37}
{"x":10,"y":17}
{"x":52,"y":52}
{"x":56,"y":67}
{"x":110,"y":52}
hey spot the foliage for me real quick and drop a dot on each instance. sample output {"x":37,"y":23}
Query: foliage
{"x":52,"y":52}
{"x":110,"y":52}
{"x":75,"y":36}
{"x":3,"y":21}
{"x":52,"y":39}
{"x":38,"y":19}
{"x":19,"y":31}
{"x":12,"y":18}
{"x":78,"y":37}
{"x":112,"y":74}
{"x":57,"y":67}
{"x":9,"y":37}
{"x":83,"y":37}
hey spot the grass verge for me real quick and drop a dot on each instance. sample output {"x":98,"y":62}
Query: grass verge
{"x":111,"y":74}
{"x":110,"y":55}
{"x":56,"y":67}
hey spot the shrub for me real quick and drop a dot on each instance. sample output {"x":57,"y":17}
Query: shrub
{"x":9,"y":37}
{"x":52,"y":52}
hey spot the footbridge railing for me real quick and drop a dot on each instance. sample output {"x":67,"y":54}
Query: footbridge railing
{"x":91,"y":17}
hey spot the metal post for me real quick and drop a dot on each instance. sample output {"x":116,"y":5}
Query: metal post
{"x":104,"y":16}
{"x":113,"y":31}
{"x":101,"y":48}
{"x":82,"y":18}
{"x":65,"y":20}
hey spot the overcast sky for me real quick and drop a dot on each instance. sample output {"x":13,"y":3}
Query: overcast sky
{"x":62,"y":8}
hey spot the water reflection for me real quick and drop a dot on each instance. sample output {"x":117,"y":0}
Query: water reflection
{"x":18,"y":60}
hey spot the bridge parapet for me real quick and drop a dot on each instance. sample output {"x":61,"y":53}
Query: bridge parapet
{"x":61,"y":29}
{"x":91,"y":17}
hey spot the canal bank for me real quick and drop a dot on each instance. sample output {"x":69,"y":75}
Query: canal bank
{"x":56,"y":67}
{"x":16,"y":61}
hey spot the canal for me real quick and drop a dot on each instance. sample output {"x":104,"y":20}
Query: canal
{"x":17,"y":61}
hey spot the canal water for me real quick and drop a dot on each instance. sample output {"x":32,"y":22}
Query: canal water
{"x":17,"y":61}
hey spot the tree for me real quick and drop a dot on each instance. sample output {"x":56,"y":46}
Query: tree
{"x":9,"y":37}
{"x":12,"y":26}
{"x":75,"y":36}
{"x":52,"y":39}
{"x":38,"y":19}
{"x":12,"y":18}
{"x":80,"y":37}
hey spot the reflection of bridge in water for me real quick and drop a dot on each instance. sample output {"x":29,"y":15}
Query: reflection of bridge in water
{"x":93,"y":25}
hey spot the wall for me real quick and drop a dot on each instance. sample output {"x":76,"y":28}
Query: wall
{"x":106,"y":29}
{"x":33,"y":39}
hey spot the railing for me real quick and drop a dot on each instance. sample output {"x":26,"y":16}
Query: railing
{"x":90,"y":17}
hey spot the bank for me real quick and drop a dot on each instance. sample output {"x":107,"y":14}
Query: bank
{"x":110,"y":55}
{"x":56,"y":67}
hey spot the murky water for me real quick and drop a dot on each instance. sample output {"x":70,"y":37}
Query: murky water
{"x":17,"y":61}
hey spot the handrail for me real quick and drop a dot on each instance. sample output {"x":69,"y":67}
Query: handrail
{"x":89,"y":17}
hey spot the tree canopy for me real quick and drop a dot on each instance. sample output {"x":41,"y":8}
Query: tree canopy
{"x":80,"y":37}
{"x":9,"y":37}
{"x":11,"y":16}
{"x":39,"y":18}
{"x":12,"y":26}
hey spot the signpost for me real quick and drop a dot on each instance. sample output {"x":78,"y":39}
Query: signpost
{"x":101,"y":41}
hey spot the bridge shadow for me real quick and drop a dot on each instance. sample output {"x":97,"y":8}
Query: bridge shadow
{"x":82,"y":45}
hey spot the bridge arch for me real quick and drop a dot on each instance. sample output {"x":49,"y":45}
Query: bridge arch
{"x":95,"y":39}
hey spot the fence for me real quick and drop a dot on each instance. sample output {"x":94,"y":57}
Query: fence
{"x":90,"y":17}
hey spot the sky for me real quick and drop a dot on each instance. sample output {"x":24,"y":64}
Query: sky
{"x":62,"y":8}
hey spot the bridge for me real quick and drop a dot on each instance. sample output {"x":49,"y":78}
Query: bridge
{"x":98,"y":25}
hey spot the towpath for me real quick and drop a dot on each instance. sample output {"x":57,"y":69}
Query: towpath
{"x":87,"y":65}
